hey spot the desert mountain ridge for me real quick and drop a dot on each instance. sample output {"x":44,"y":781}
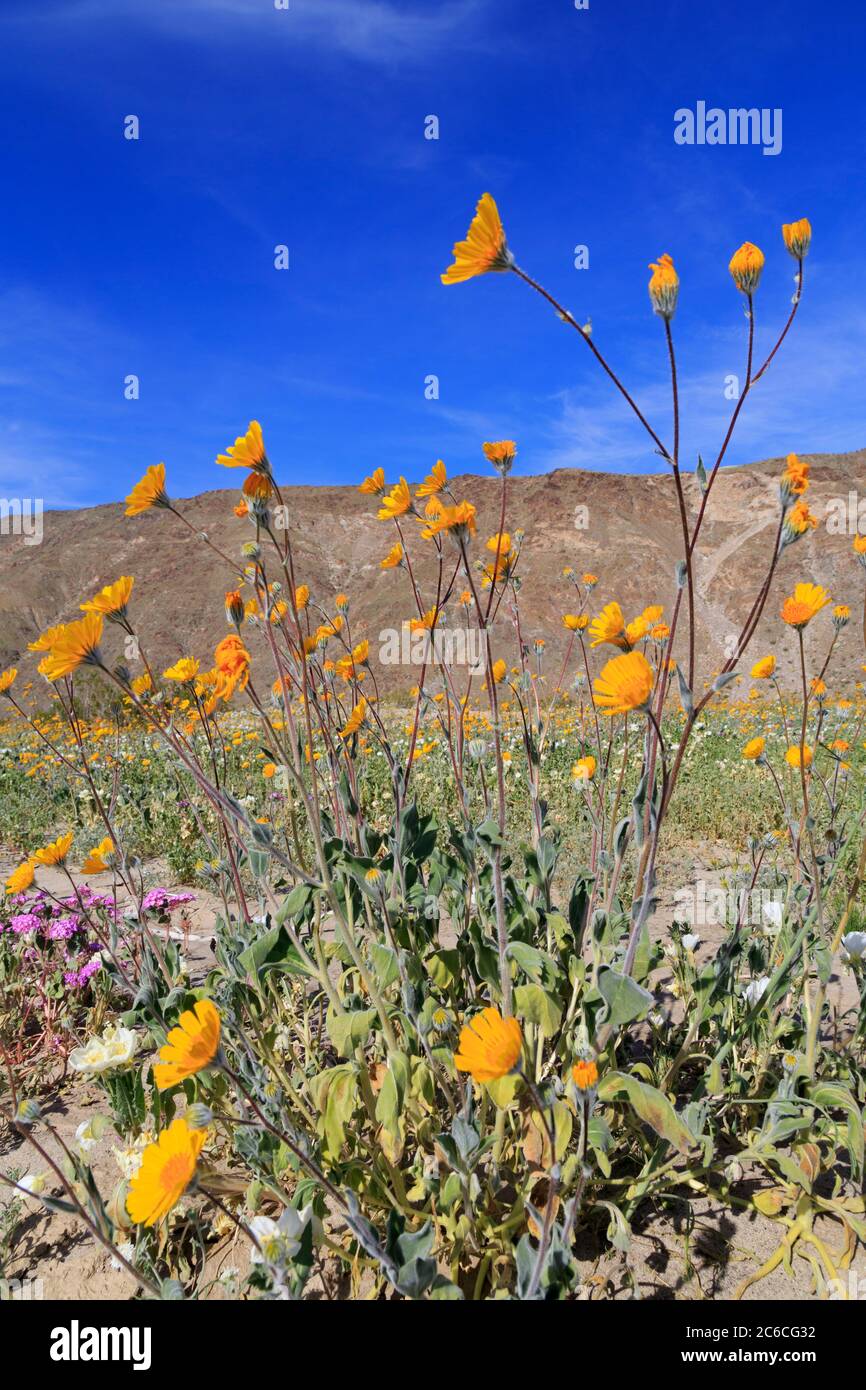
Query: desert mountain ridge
{"x":625,"y":528}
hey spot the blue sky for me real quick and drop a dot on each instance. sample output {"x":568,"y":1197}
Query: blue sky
{"x":305,"y":127}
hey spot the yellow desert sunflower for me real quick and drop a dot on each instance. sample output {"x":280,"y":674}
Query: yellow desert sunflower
{"x":459,"y":521}
{"x":625,"y":684}
{"x":801,"y":606}
{"x":56,"y":852}
{"x":248,"y":451}
{"x":73,"y":645}
{"x":397,"y":503}
{"x":111,"y":601}
{"x":763,"y":669}
{"x":45,"y":640}
{"x":795,"y":479}
{"x":436,"y":480}
{"x":21,"y":878}
{"x":489,"y":1046}
{"x":7,"y":679}
{"x":485,"y":247}
{"x":754,"y":749}
{"x":232,"y":664}
{"x":96,"y":861}
{"x":664,"y":286}
{"x":798,"y":521}
{"x":745,"y":266}
{"x":375,"y":484}
{"x":167,"y":1169}
{"x":148,"y":492}
{"x":609,"y":626}
{"x":191,"y":1046}
{"x":185,"y":669}
{"x":584,"y":769}
{"x":797,"y":237}
{"x":584,"y":1073}
{"x":799,"y":757}
{"x":575,"y":622}
{"x":355,"y":720}
{"x":393,"y":558}
{"x":501,"y":453}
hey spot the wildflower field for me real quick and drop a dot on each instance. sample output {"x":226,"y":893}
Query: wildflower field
{"x":497,"y":973}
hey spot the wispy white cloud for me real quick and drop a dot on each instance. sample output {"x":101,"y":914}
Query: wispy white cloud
{"x":809,"y":401}
{"x":377,"y":31}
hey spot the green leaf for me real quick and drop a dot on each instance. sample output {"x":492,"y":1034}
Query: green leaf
{"x":535,"y":1005}
{"x":443,"y":967}
{"x":651,"y":1106}
{"x":389,"y":1104}
{"x":272,"y":950}
{"x":625,"y":999}
{"x":351,"y":1030}
{"x":336,"y":1095}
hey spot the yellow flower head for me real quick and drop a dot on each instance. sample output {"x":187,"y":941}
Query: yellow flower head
{"x":625,"y":684}
{"x":232,"y":662}
{"x":258,"y":486}
{"x":460,"y":522}
{"x":575,"y":622}
{"x":841,"y":616}
{"x":798,"y":237}
{"x":302,"y":597}
{"x":186,"y":669}
{"x":746,"y":266}
{"x":584,"y":1074}
{"x":801,"y":607}
{"x":664,"y":286}
{"x":234,"y":607}
{"x":754,"y":749}
{"x":763,"y":669}
{"x":355,"y":720}
{"x":609,"y":626}
{"x":636,"y":629}
{"x":56,"y":852}
{"x":95,"y":863}
{"x":500,"y":544}
{"x":21,"y":878}
{"x":798,"y":521}
{"x":485,"y":247}
{"x":435,"y":481}
{"x":393,"y":558}
{"x":795,"y":479}
{"x":111,"y":601}
{"x":167,"y":1169}
{"x":148,"y":492}
{"x":73,"y":645}
{"x":46,"y":640}
{"x":7,"y":679}
{"x":248,"y":451}
{"x":398,"y":502}
{"x":499,"y":669}
{"x":375,"y":484}
{"x":590,"y":580}
{"x":584,"y":769}
{"x":501,"y":453}
{"x":191,"y":1046}
{"x":490,"y":1046}
{"x":799,"y":757}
